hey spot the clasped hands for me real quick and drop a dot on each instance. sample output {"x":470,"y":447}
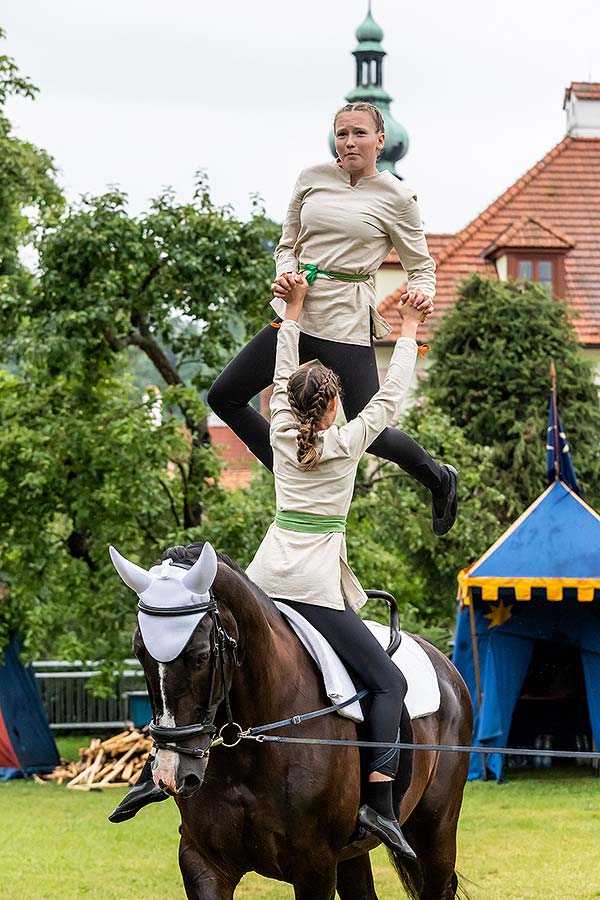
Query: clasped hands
{"x":419,"y":299}
{"x":284,"y":283}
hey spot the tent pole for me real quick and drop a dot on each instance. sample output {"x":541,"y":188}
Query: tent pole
{"x":477,"y":670}
{"x":555,"y":417}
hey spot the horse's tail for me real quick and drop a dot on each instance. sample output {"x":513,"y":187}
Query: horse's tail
{"x":409,"y":872}
{"x":458,"y":883}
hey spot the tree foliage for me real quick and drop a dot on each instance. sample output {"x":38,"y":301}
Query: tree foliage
{"x":88,"y":457}
{"x":491,"y":373}
{"x":29,"y":195}
{"x":395,"y":512}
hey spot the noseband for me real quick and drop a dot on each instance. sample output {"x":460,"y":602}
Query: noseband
{"x":165,"y":738}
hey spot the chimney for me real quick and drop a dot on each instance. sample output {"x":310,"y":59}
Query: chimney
{"x":582,"y":104}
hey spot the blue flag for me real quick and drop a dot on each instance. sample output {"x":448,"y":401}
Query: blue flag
{"x":566,"y":471}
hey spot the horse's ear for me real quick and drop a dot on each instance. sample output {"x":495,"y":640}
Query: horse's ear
{"x":134,"y":576}
{"x":202,"y":574}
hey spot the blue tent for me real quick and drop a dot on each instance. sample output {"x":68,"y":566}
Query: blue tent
{"x":26,"y":742}
{"x":539,"y":582}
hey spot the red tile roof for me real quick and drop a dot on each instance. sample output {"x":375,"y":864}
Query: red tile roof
{"x":560,"y":193}
{"x":529,"y":233}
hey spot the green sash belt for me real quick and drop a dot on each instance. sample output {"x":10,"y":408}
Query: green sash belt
{"x":313,"y":271}
{"x":309,"y":523}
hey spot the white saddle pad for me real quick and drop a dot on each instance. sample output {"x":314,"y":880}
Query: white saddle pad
{"x":423,"y":695}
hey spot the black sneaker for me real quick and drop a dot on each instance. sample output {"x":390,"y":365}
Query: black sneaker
{"x":387,"y":830}
{"x":443,"y":509}
{"x":140,"y":795}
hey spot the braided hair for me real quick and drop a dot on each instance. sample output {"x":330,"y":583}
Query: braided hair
{"x":310,"y":390}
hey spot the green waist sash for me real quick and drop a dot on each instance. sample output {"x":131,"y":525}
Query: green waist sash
{"x":309,"y":523}
{"x":313,"y":271}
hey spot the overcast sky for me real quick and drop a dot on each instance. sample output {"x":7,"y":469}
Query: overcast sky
{"x":142,"y":93}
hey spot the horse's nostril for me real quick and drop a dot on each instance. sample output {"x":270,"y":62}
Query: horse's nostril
{"x":191,"y":783}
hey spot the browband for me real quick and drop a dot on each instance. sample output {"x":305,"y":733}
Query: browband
{"x":177,"y":610}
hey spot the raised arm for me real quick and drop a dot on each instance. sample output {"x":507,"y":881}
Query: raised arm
{"x":408,"y":238}
{"x":381,"y":409}
{"x":285,"y":258}
{"x":286,"y":359}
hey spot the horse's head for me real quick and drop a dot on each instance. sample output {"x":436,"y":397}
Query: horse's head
{"x":188,"y":658}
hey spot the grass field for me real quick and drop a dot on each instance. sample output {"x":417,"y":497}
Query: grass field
{"x":534,"y":838}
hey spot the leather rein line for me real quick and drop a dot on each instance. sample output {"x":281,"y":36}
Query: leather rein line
{"x":164,"y":738}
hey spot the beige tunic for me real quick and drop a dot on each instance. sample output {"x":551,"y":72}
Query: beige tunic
{"x":350,"y":230}
{"x":312,"y":568}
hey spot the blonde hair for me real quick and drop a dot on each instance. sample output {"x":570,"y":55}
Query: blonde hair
{"x":362,"y":106}
{"x":310,"y":390}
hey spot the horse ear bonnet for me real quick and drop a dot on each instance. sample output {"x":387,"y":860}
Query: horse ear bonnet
{"x":164,"y":587}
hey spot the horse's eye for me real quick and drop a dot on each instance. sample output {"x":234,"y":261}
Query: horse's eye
{"x":202,"y":658}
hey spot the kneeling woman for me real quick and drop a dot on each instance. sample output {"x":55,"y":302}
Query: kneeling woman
{"x":302,"y":559}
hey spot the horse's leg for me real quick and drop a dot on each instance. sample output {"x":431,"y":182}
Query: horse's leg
{"x":355,"y":879}
{"x":431,"y":830}
{"x":316,"y":885}
{"x":203,"y":881}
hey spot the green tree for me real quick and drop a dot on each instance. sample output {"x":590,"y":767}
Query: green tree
{"x":181,"y":286}
{"x":84,"y":461}
{"x":29,"y":195}
{"x":395,"y":512}
{"x":490,"y":373}
{"x":81,"y":467}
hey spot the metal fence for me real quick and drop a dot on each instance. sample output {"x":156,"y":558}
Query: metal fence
{"x":70,"y":704}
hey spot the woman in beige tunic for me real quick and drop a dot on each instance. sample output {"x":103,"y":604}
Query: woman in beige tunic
{"x":343,"y":220}
{"x":302,"y":558}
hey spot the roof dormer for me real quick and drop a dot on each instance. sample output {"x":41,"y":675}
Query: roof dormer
{"x":533,"y":250}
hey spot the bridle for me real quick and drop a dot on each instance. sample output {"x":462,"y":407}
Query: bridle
{"x":221,"y":643}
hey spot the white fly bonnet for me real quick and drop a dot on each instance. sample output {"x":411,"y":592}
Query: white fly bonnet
{"x":172,"y":599}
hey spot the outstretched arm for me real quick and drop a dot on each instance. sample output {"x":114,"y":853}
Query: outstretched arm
{"x":287,"y":359}
{"x":409,"y":240}
{"x":285,"y":256}
{"x":381,"y":409}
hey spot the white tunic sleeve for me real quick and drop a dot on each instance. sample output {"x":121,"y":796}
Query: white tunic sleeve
{"x":285,"y":256}
{"x":286,"y":363}
{"x":381,"y":409}
{"x":409,"y":240}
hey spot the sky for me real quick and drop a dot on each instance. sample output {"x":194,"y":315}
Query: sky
{"x":142,"y":94}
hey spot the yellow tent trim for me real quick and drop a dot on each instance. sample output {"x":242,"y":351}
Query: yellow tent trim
{"x":522,"y":586}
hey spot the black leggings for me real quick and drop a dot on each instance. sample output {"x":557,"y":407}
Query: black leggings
{"x":368,"y":661}
{"x":251,"y":371}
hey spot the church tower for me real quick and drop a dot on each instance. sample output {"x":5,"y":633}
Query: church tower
{"x":369,"y":88}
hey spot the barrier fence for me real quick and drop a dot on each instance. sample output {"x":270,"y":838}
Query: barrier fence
{"x":71,"y":706}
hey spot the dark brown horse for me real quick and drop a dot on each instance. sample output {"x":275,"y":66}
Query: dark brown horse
{"x":289,"y":811}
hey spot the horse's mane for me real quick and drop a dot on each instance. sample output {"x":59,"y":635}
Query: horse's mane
{"x":187,"y":555}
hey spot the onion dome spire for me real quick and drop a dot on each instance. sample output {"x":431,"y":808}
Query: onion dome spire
{"x":369,"y":88}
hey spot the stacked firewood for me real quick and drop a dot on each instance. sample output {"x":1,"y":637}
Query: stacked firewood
{"x":115,"y":762}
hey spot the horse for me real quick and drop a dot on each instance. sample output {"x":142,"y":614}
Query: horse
{"x":286,"y":811}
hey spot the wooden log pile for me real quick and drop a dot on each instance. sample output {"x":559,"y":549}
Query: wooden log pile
{"x":115,"y":762}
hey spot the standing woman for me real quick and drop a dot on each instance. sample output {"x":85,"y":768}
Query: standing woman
{"x":302,"y":559}
{"x":344,"y":218}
